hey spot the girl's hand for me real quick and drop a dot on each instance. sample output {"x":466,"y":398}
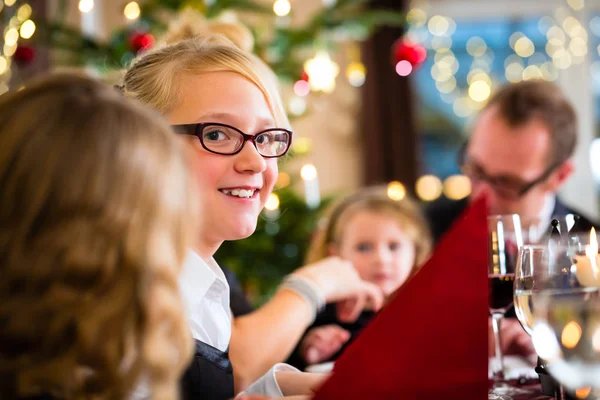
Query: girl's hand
{"x":340,"y":283}
{"x":322,"y":342}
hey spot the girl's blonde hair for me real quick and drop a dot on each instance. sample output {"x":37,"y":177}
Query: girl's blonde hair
{"x":96,"y":216}
{"x":374,"y":199}
{"x":155,"y":77}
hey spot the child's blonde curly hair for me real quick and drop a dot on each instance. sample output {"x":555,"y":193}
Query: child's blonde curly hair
{"x":96,"y":215}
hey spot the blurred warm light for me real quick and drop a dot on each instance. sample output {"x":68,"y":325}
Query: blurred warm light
{"x":583,"y":393}
{"x":596,"y":340}
{"x":462,"y":107}
{"x":478,"y":75}
{"x":9,"y":3}
{"x":571,"y":334}
{"x":24,"y":12}
{"x":524,"y":47}
{"x":27,"y":29}
{"x":322,"y":71}
{"x":446,"y":86}
{"x":86,"y":5}
{"x":281,"y":8}
{"x":549,"y":71}
{"x":3,"y":88}
{"x":302,"y":145}
{"x":545,"y":23}
{"x":308,"y":172}
{"x":132,"y":10}
{"x":578,"y":47}
{"x":356,"y":74}
{"x":451,"y":26}
{"x":479,"y":91}
{"x":556,"y":36}
{"x":404,"y":68}
{"x":396,"y":191}
{"x":514,"y":37}
{"x":562,"y":59}
{"x":446,"y":61}
{"x":297,"y":106}
{"x":301,"y":88}
{"x":283,"y":180}
{"x":532,"y":72}
{"x":439,"y":25}
{"x":569,"y":24}
{"x":3,"y":65}
{"x":9,"y":50}
{"x":514,"y":73}
{"x":11,"y":37}
{"x":428,"y":187}
{"x":579,"y":32}
{"x":476,"y":46}
{"x":441,"y":72}
{"x":576,"y":4}
{"x":416,"y":17}
{"x":272,"y":203}
{"x":457,"y":187}
{"x":551,"y":49}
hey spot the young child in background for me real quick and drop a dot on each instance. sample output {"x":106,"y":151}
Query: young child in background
{"x":386,"y":241}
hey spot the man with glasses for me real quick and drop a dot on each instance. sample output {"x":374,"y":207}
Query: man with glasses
{"x":520,"y":152}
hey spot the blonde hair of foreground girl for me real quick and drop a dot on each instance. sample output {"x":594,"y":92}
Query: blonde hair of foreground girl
{"x":96,"y":216}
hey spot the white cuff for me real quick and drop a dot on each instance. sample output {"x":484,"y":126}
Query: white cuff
{"x":267,"y":384}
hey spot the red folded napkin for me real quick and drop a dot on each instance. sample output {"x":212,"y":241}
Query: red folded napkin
{"x":431,"y":340}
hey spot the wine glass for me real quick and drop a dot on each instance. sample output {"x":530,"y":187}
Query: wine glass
{"x":562,"y":229}
{"x":529,"y":257}
{"x":566,"y":316}
{"x":505,"y":236}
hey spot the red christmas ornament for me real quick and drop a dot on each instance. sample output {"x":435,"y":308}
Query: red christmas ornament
{"x":305,"y":76}
{"x":24,"y":54}
{"x":141,"y":41}
{"x":404,"y":49}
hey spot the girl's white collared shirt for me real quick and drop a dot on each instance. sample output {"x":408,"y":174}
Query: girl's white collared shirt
{"x":205,"y":294}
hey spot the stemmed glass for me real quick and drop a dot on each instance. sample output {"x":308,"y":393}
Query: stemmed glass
{"x":566,"y":327}
{"x":505,"y":236}
{"x":561,"y":230}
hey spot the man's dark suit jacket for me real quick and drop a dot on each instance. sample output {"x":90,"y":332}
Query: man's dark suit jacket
{"x":443,"y":213}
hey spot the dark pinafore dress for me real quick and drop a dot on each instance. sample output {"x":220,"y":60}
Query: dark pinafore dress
{"x":209,"y":376}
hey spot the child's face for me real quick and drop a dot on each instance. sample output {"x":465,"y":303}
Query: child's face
{"x":379,"y":249}
{"x":226,"y":97}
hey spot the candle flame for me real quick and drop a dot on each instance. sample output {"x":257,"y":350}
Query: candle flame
{"x":592,"y":250}
{"x":593,"y":241}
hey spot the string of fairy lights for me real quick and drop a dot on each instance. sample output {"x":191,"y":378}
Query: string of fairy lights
{"x":566,"y":44}
{"x":566,"y":36}
{"x":16,"y":19}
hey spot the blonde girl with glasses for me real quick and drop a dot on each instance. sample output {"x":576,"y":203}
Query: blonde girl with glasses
{"x":225,"y":103}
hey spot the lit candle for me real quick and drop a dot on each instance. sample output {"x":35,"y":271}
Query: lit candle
{"x":587,"y":270}
{"x":312,"y":193}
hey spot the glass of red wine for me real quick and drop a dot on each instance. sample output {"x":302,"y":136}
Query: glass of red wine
{"x":505,"y":236}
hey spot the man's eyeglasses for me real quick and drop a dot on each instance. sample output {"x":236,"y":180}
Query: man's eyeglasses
{"x":508,"y":187}
{"x":226,"y":140}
